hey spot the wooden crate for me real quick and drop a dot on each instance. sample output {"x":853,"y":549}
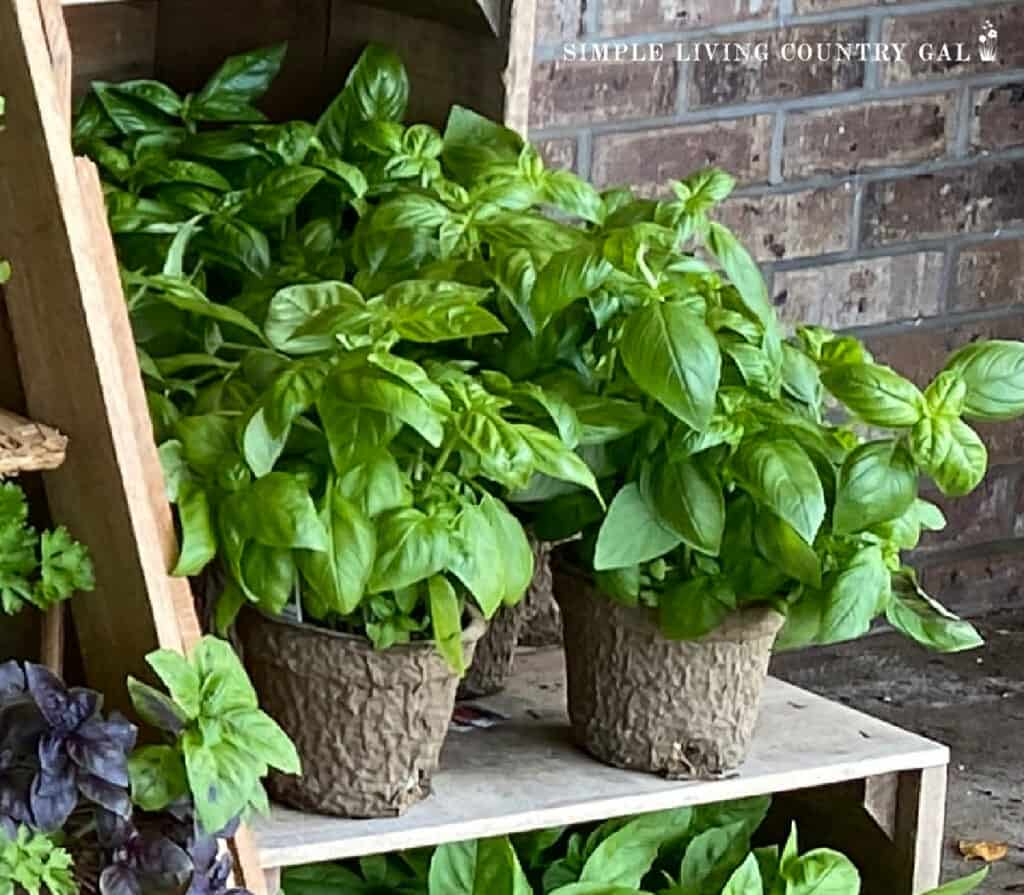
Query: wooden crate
{"x":883,"y":788}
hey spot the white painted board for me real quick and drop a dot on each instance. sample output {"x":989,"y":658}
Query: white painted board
{"x":526,"y":774}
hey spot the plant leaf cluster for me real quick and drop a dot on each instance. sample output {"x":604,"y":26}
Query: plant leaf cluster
{"x":304,"y":299}
{"x":685,"y":851}
{"x":37,"y":569}
{"x":363,"y":341}
{"x":32,"y":863}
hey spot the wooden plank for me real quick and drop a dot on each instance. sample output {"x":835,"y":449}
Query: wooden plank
{"x":446,"y":64}
{"x":111,"y":41}
{"x":518,"y":74}
{"x":51,"y":651}
{"x":60,"y":51}
{"x":920,"y":823}
{"x":194,"y":37}
{"x":526,"y":774}
{"x":28,"y":447}
{"x":74,"y":342}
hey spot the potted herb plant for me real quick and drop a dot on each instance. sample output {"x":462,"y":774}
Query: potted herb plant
{"x":767,"y":489}
{"x":329,"y":440}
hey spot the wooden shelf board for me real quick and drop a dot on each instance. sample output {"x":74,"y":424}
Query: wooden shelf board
{"x":28,"y":447}
{"x":525,"y":773}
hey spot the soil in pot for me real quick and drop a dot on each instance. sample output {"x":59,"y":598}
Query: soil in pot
{"x":369,"y":725}
{"x":640,"y":701}
{"x":494,"y":656}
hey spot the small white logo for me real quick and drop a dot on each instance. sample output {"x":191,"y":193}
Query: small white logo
{"x":988,"y":42}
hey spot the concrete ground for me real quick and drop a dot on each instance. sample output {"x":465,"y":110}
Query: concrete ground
{"x":973,"y":702}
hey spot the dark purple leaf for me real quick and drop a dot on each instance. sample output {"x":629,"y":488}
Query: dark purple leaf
{"x":230,"y":829}
{"x":12,"y":681}
{"x":106,"y":795}
{"x":82,"y":705}
{"x":49,"y":694}
{"x":98,"y":754}
{"x":203,"y":850}
{"x":14,"y":801}
{"x":113,"y":830}
{"x":157,"y":708}
{"x":53,"y":798}
{"x":121,"y":731}
{"x":164,"y":859}
{"x":53,"y":756}
{"x":8,"y":828}
{"x":119,"y":880}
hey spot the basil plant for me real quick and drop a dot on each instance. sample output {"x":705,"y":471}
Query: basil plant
{"x":327,"y":430}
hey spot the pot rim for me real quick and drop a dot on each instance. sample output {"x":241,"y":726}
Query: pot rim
{"x":747,"y":615}
{"x":470,"y":633}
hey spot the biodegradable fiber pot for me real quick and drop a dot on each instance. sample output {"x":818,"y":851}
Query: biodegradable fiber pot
{"x":494,"y":655}
{"x":368,"y":724}
{"x":640,"y":701}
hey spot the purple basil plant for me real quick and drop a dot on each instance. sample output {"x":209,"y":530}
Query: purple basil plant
{"x":59,"y":756}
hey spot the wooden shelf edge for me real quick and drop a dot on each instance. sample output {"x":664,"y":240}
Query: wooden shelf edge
{"x":552,"y":783}
{"x":26,"y":446}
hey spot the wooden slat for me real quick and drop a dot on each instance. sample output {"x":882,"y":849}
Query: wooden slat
{"x":60,"y":51}
{"x":28,"y":447}
{"x":194,"y":37}
{"x":519,"y":69}
{"x":51,"y":651}
{"x":111,"y":41}
{"x":73,"y":344}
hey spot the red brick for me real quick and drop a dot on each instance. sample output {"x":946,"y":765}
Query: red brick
{"x":558,"y":153}
{"x":921,"y":353}
{"x":559,"y":20}
{"x":974,"y":585}
{"x":640,"y":16}
{"x":954,"y":27}
{"x":998,"y":121}
{"x":808,"y":6}
{"x":972,"y":199}
{"x":722,"y":82}
{"x":852,"y":138}
{"x":791,"y":225}
{"x":991,"y":275}
{"x":859,"y":293}
{"x":649,"y":159}
{"x":577,"y":92}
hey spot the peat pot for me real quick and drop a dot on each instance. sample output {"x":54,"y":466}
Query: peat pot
{"x":640,"y":701}
{"x":368,"y":724}
{"x":495,"y":652}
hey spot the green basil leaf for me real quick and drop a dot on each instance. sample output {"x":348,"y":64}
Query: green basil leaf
{"x":446,"y":621}
{"x":198,"y":542}
{"x":157,"y":777}
{"x":690,"y":610}
{"x":574,"y":196}
{"x":182,"y":171}
{"x":437,"y":311}
{"x":477,"y":561}
{"x":626,"y":856}
{"x":129,"y":113}
{"x":278,"y":194}
{"x":270,"y":573}
{"x":566,"y":277}
{"x":376,"y":484}
{"x":307,"y":319}
{"x":280,"y":513}
{"x":246,"y":76}
{"x":263,"y":737}
{"x":993,"y":374}
{"x":713,"y":856}
{"x":878,"y":483}
{"x":689,"y":500}
{"x":238,"y":245}
{"x":552,"y":458}
{"x":378,"y":85}
{"x":781,"y":477}
{"x":743,"y":273}
{"x":338,"y":577}
{"x":411,"y":547}
{"x":819,"y":871}
{"x":780,"y":544}
{"x":476,"y":867}
{"x":962,"y":886}
{"x":951,"y":452}
{"x":206,"y":440}
{"x":261,"y":447}
{"x":474,"y":144}
{"x":947,"y":394}
{"x":857,"y":594}
{"x":673,"y":356}
{"x":876,"y":394}
{"x":181,"y":294}
{"x":918,"y":616}
{"x":517,"y":563}
{"x":179,"y":677}
{"x":632,"y":532}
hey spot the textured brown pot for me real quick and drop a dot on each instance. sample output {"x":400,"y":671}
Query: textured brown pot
{"x":638,"y":700}
{"x":368,"y":724}
{"x":543,"y":625}
{"x":495,"y":652}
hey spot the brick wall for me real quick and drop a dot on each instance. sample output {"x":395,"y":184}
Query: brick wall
{"x":886,"y":197}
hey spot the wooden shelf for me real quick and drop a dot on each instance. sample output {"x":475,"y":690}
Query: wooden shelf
{"x":525,"y":773}
{"x":28,"y":447}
